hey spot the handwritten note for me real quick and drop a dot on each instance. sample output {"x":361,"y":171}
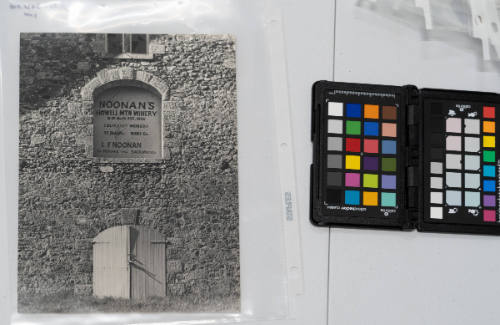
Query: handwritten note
{"x":33,"y":9}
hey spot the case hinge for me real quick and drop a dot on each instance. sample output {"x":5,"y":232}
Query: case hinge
{"x":412,"y":156}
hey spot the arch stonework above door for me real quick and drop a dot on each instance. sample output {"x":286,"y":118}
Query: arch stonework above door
{"x":106,"y":76}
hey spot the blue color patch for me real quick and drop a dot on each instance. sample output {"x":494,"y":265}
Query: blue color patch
{"x":353,"y":110}
{"x":371,"y":128}
{"x":352,"y":197}
{"x":389,"y":147}
{"x":489,"y":171}
{"x":488,"y":186}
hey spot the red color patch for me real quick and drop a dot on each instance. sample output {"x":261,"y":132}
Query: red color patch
{"x":353,"y":145}
{"x":488,"y":112}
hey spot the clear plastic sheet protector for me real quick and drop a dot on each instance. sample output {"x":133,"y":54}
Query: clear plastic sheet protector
{"x":270,"y":261}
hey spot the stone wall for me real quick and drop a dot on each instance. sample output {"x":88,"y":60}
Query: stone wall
{"x":66,"y":197}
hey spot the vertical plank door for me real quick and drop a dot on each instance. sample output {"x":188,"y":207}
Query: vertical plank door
{"x":111,"y":274}
{"x":147,"y":263}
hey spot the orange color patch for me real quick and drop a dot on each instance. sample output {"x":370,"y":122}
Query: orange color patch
{"x":371,"y":111}
{"x":488,"y":127}
{"x":370,"y":198}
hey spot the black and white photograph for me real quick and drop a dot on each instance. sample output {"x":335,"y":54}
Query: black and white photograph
{"x":128,"y":173}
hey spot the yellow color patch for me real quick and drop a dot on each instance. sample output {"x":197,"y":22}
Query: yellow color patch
{"x":488,"y":141}
{"x":370,"y":198}
{"x":371,"y":111}
{"x":488,"y":127}
{"x":352,"y":162}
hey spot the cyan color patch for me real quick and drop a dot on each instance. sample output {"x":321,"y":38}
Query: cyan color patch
{"x":489,"y":171}
{"x":488,"y":185}
{"x":352,"y":197}
{"x":371,"y":128}
{"x":388,"y":199}
{"x":389,"y":147}
{"x":353,"y":110}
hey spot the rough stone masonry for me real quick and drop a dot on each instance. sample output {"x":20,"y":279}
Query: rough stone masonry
{"x":67,"y":197}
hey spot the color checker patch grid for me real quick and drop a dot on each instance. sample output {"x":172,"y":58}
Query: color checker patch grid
{"x":488,"y":164}
{"x":463,"y":172}
{"x":361,"y":155}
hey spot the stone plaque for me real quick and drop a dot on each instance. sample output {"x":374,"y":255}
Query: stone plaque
{"x":127,"y":123}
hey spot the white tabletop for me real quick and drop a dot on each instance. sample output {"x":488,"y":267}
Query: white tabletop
{"x":392,"y":277}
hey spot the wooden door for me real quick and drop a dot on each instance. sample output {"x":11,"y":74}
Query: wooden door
{"x":129,"y":262}
{"x":111,"y":271}
{"x":147,"y":263}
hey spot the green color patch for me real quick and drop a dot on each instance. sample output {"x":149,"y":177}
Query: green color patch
{"x":489,"y":156}
{"x":370,"y":180}
{"x":389,"y":164}
{"x":353,"y":127}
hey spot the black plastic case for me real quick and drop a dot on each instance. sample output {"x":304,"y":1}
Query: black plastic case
{"x":413,"y":174}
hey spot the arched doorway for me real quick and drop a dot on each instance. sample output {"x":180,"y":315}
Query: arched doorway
{"x":129,"y":262}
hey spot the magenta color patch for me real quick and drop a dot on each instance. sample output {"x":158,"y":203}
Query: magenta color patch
{"x":489,"y":216}
{"x":352,"y":179}
{"x":489,"y":200}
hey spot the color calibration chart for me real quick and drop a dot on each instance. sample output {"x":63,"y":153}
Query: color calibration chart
{"x":361,"y":155}
{"x":463,"y":169}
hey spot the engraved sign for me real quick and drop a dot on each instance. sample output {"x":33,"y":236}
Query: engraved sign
{"x":127,"y":123}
